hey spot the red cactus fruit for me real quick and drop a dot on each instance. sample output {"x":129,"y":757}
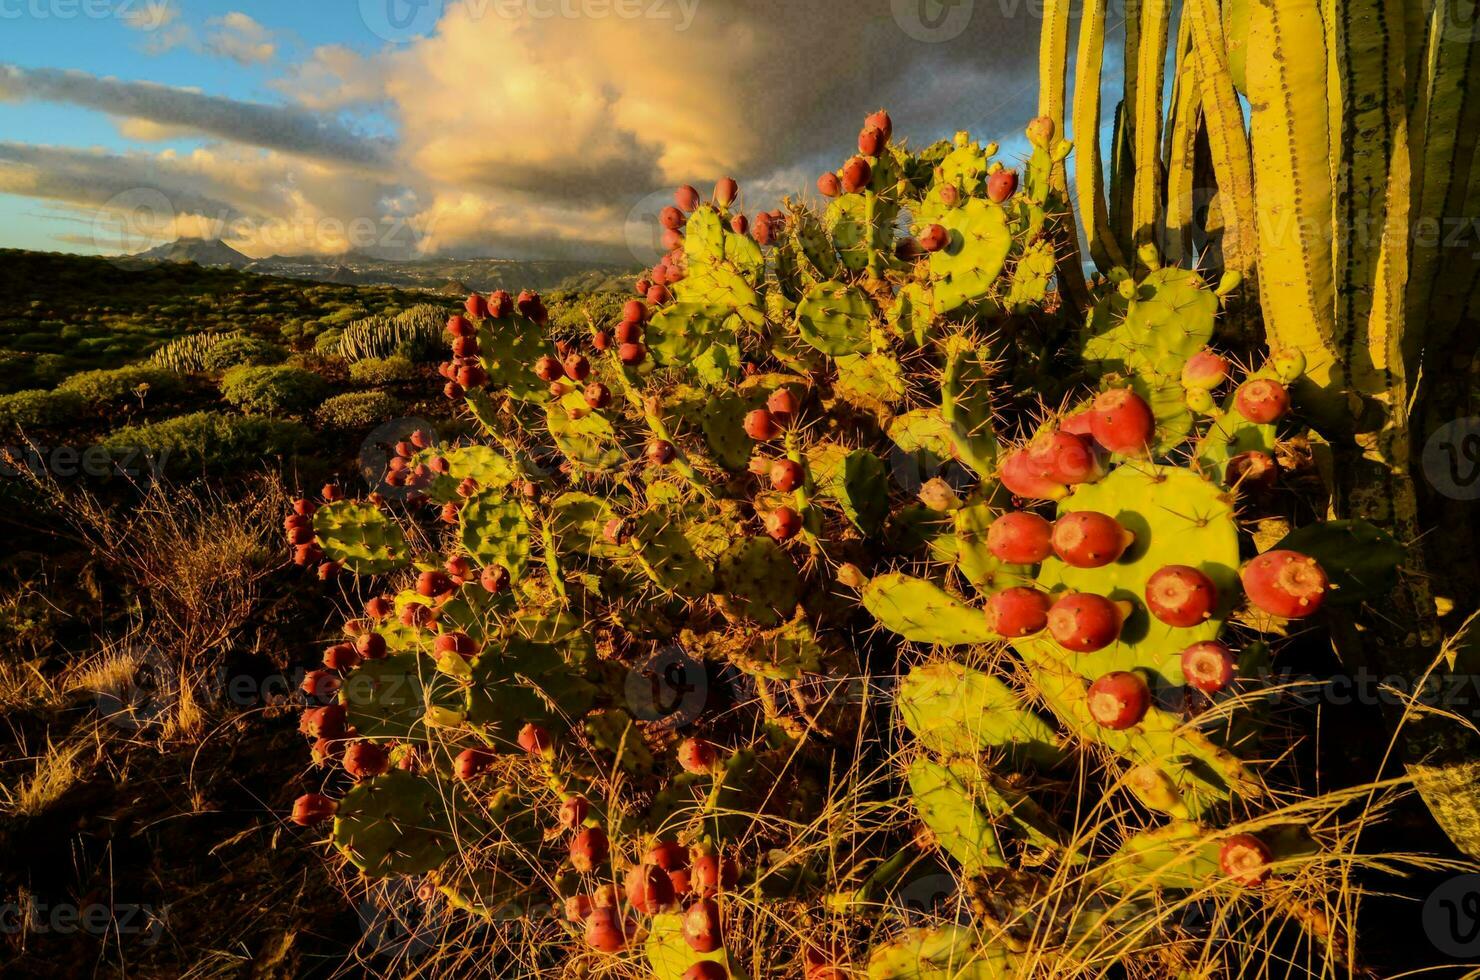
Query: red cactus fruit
{"x":1019,"y":476}
{"x":697,"y":756}
{"x":857,"y":174}
{"x":629,"y":332}
{"x":313,"y":808}
{"x":1002,"y":185}
{"x":1066,"y":458}
{"x":476,"y":306}
{"x":710,"y":875}
{"x":464,"y":347}
{"x":668,"y":855}
{"x":1262,"y":401}
{"x":326,"y":749}
{"x":472,"y":763}
{"x":764,"y":232}
{"x":588,"y":849}
{"x":324,"y":722}
{"x":950,"y":195}
{"x":641,"y":287}
{"x":707,"y":970}
{"x":740,"y":224}
{"x":786,"y":475}
{"x":574,"y":811}
{"x":1089,"y":539}
{"x":500,"y":304}
{"x":320,"y":683}
{"x":1084,"y":622}
{"x":371,"y":646}
{"x":577,"y":368}
{"x":659,"y":295}
{"x":1118,"y":700}
{"x":606,"y":930}
{"x":535,"y":739}
{"x":598,"y":395}
{"x":1204,"y":371}
{"x":1122,"y":422}
{"x":1208,"y":666}
{"x":1253,"y":470}
{"x":828,"y":185}
{"x":342,"y":656}
{"x":614,"y":531}
{"x":632,"y":354}
{"x":602,"y":340}
{"x":1017,"y":612}
{"x":701,"y":926}
{"x":686,"y":197}
{"x":471,"y":376}
{"x":453,"y":391}
{"x":433,"y":584}
{"x":459,"y":326}
{"x":782,"y":404}
{"x":577,"y":908}
{"x":870,"y":141}
{"x":661,"y":452}
{"x":548,"y":369}
{"x":934,"y":238}
{"x":1180,"y":595}
{"x":415,"y":614}
{"x":649,"y":889}
{"x":1246,"y":859}
{"x":881,"y":121}
{"x":761,"y":425}
{"x":634,"y":311}
{"x":725,"y":191}
{"x":1020,"y":538}
{"x":456,"y":642}
{"x":530,"y":305}
{"x":672,"y":218}
{"x":494,"y":579}
{"x":304,"y":507}
{"x":363,"y":760}
{"x":1285,"y":583}
{"x":459,"y":569}
{"x":783,"y":523}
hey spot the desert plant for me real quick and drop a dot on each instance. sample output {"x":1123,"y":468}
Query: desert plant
{"x":205,"y":441}
{"x":273,"y":390}
{"x":357,"y":409}
{"x":415,"y":334}
{"x":115,"y":386}
{"x":377,"y":371}
{"x":36,"y":409}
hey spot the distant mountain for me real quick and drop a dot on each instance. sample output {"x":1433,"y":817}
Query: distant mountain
{"x":201,"y":251}
{"x":449,"y":275}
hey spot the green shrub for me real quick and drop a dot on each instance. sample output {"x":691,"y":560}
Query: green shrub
{"x":358,"y":410}
{"x":206,"y":440}
{"x":376,"y":371}
{"x":48,"y":369}
{"x":35,"y":409}
{"x":272,"y":390}
{"x":327,"y":342}
{"x":111,"y":386}
{"x":241,"y":349}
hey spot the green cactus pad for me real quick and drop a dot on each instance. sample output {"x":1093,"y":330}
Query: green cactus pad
{"x":966,"y":404}
{"x":948,"y":807}
{"x":1360,"y":559}
{"x":361,"y":537}
{"x":614,"y":731}
{"x":668,"y":556}
{"x":965,"y":271}
{"x":386,"y":699}
{"x":683,"y":333}
{"x":954,"y":710}
{"x":913,"y":312}
{"x":578,"y":521}
{"x":758,"y":580}
{"x":836,"y":318}
{"x":523,"y":682}
{"x":584,"y":436}
{"x":873,"y":382}
{"x":1031,"y":277}
{"x":507,"y":350}
{"x":494,"y":531}
{"x":923,"y":612}
{"x":862,"y":229}
{"x":1184,"y":856}
{"x":669,"y":955}
{"x":395,"y":824}
{"x":722,"y":419}
{"x":948,"y":952}
{"x":924,"y":434}
{"x":484,"y":464}
{"x":1178,"y":518}
{"x":814,"y":244}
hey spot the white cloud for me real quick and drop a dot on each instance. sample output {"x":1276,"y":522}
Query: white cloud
{"x":240,"y":38}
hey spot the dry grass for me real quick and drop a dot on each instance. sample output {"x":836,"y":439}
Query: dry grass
{"x":56,"y":770}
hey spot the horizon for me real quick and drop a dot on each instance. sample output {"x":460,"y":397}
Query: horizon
{"x":384,"y":128}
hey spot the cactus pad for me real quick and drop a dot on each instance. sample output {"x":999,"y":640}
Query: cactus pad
{"x":394,"y":824}
{"x":361,"y":537}
{"x":493,"y":530}
{"x":957,"y":711}
{"x":923,"y":612}
{"x":836,"y":319}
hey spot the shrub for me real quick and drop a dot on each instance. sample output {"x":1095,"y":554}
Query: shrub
{"x":272,"y":390}
{"x":327,"y":342}
{"x":35,"y":409}
{"x":240,"y":349}
{"x":110,"y":386}
{"x":376,"y":371}
{"x":357,"y":410}
{"x":207,"y":440}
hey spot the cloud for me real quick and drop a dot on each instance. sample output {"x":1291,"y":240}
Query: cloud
{"x":240,"y":38}
{"x":151,"y":15}
{"x":334,"y":77}
{"x":286,"y":129}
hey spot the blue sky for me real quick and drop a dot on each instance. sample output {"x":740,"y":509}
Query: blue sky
{"x":546,"y":128}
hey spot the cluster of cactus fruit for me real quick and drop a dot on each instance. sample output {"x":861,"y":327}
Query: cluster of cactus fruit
{"x":809,"y":425}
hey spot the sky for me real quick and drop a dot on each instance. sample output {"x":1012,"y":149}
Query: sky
{"x":504,"y":128}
